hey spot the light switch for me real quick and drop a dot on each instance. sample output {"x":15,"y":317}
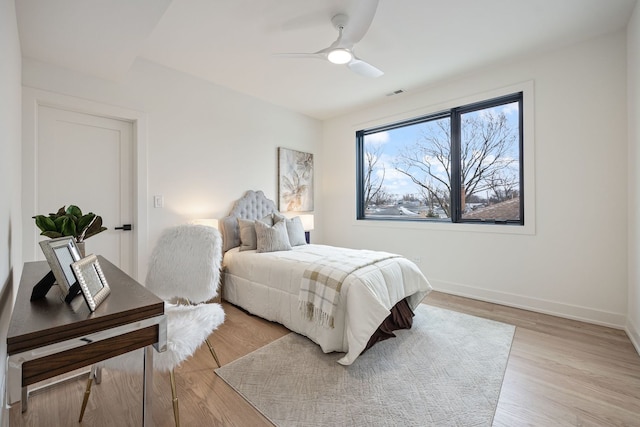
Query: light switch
{"x":158,"y":201}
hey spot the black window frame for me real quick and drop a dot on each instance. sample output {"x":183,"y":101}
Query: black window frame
{"x":454,"y":115}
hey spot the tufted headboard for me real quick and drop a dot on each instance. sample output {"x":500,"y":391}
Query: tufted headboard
{"x":253,"y":205}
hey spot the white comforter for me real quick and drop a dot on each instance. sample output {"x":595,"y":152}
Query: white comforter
{"x":267,"y":285}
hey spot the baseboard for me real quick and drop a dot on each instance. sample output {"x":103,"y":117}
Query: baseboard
{"x":568,"y":311}
{"x":634,"y":335}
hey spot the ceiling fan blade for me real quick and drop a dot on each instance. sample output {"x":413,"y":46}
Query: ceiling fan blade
{"x":317,"y":55}
{"x":364,"y":68}
{"x":359,"y":22}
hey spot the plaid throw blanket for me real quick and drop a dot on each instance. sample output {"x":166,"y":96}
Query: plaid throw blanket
{"x":322,"y":281}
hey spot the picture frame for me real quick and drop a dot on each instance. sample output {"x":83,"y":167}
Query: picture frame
{"x":60,"y":253}
{"x":93,"y":283}
{"x":295,"y":180}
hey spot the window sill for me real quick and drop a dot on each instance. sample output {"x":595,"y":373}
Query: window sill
{"x":527,"y":229}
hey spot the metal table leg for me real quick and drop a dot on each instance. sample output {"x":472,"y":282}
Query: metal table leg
{"x":147,"y":387}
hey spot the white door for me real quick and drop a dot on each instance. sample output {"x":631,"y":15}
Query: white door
{"x":87,"y":160}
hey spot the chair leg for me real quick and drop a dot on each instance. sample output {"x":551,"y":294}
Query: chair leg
{"x":174,"y":396}
{"x":213,"y":353}
{"x":97,"y":374}
{"x":87,"y":392}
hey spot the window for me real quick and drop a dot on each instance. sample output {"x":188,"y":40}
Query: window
{"x":462,"y":165}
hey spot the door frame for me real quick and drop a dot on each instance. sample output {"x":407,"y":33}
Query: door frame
{"x":32,"y":99}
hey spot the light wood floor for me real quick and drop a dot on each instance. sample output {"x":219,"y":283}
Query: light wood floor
{"x":560,"y":373}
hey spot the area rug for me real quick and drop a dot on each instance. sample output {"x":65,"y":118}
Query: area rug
{"x":445,"y":371}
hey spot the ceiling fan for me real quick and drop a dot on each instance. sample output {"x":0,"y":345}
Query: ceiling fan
{"x":350,"y":32}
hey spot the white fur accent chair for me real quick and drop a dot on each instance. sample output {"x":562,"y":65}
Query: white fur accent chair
{"x":184,"y":270}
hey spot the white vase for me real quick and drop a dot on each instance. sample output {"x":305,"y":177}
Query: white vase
{"x":81,"y":249}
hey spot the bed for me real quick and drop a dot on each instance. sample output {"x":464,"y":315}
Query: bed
{"x":344,"y":300}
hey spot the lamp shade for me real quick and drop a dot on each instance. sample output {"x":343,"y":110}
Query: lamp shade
{"x":307,"y":221}
{"x":305,"y":218}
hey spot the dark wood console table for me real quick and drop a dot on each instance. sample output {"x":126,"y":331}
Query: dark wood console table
{"x":48,"y":337}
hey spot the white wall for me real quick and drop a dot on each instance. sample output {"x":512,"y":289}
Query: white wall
{"x":633,"y":101}
{"x":10,"y":213}
{"x":575,"y":263}
{"x":206,"y":144}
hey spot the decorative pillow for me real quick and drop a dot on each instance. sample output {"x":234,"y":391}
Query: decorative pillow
{"x":248,"y":232}
{"x":271,"y":238}
{"x":230,"y":232}
{"x":295,"y":230}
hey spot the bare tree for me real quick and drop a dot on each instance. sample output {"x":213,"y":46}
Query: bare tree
{"x":486,"y":142}
{"x":485,"y":162}
{"x":427,"y":163}
{"x":503,"y":186}
{"x":373,"y":191}
{"x":381,"y":198}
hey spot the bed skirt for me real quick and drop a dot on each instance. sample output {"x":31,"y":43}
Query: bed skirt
{"x":401,"y":317}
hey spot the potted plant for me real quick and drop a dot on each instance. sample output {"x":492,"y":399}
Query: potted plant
{"x":70,"y":222}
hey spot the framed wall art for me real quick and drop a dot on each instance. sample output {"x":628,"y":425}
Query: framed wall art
{"x":295,"y":180}
{"x":93,"y":284}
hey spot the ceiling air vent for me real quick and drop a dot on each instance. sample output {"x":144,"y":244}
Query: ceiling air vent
{"x":396,"y":92}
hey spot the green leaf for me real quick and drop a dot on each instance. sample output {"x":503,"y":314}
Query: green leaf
{"x":44,"y":223}
{"x":95,"y":228}
{"x":74,"y":210}
{"x":68,"y":227}
{"x":84,"y":221}
{"x":93,"y":233}
{"x":59,"y":221}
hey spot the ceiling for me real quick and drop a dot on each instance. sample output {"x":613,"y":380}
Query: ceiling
{"x":417,"y":43}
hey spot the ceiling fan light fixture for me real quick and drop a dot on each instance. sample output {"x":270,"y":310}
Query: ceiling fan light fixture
{"x":340,"y":56}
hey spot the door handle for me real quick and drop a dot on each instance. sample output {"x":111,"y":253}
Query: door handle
{"x":125,"y":227}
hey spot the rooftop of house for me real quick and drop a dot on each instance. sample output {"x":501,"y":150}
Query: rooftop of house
{"x":509,"y":209}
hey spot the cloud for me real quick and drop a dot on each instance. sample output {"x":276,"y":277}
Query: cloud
{"x":509,"y":109}
{"x":394,"y":182}
{"x":378,"y":138}
{"x":385,"y":169}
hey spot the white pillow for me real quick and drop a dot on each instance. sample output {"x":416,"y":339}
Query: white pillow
{"x":272,"y":238}
{"x":295,"y":230}
{"x":248,"y":232}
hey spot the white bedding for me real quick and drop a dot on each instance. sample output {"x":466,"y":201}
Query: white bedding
{"x":267,"y":285}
